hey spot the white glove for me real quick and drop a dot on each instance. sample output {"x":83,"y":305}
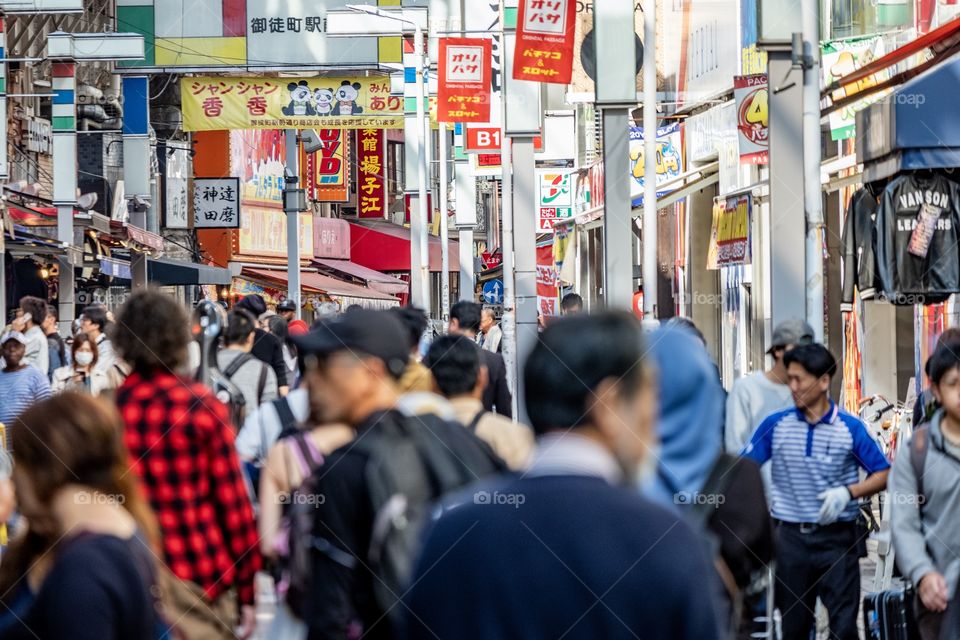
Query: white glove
{"x":834,"y":502}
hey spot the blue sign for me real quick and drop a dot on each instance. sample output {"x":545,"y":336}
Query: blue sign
{"x":493,"y":292}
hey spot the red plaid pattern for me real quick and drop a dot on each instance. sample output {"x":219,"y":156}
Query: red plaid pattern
{"x":181,"y":446}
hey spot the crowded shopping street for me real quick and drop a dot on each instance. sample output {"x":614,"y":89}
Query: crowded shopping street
{"x":479,"y":320}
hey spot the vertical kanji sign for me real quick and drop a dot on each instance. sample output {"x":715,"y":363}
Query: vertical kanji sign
{"x":216,"y":203}
{"x":371,"y":169}
{"x":544,"y":49}
{"x":466,"y":68}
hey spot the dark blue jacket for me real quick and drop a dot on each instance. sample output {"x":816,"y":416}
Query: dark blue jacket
{"x":560,"y":556}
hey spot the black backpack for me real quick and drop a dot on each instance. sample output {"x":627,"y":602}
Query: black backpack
{"x":232,"y":396}
{"x":412,"y":462}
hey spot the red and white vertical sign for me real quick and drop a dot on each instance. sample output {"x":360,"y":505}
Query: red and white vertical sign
{"x":466,"y":68}
{"x":547,"y":293}
{"x":545,"y":33}
{"x":371,"y":170}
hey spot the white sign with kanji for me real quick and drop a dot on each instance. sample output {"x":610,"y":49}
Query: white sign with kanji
{"x":216,"y":203}
{"x":546,"y":16}
{"x":464,"y":64}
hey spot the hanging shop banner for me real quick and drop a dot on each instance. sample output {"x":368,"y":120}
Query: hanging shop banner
{"x":669,"y":159}
{"x":216,"y":203}
{"x":264,"y":233}
{"x":750,"y":93}
{"x":257,"y":157}
{"x":545,"y":38}
{"x":730,"y":234}
{"x":211,"y":103}
{"x":465,"y":76}
{"x":842,"y":58}
{"x":556,"y":199}
{"x":371,"y":169}
{"x":547,"y":293}
{"x":326,"y":169}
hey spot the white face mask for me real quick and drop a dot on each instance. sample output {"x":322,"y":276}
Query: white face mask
{"x":84,"y":358}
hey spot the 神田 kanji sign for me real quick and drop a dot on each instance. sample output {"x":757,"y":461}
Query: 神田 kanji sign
{"x":465,"y":76}
{"x":211,"y":103}
{"x":545,"y":33}
{"x":216,"y":203}
{"x":371,"y":166}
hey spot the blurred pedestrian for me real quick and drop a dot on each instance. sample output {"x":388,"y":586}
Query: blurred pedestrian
{"x":570,"y":304}
{"x":465,"y":321}
{"x":460,"y":377}
{"x":56,"y":350}
{"x":281,"y":328}
{"x":416,"y":378}
{"x":287,"y":310}
{"x":37,"y":351}
{"x":762,"y":393}
{"x":377,"y":490}
{"x":85,"y":568}
{"x":574,"y":520}
{"x":925,"y":499}
{"x":93,"y":322}
{"x":255,"y":379}
{"x":490,"y":335}
{"x":720,"y":494}
{"x":266,"y":346}
{"x":926,"y":404}
{"x":83,"y":376}
{"x":181,"y":445}
{"x":21,"y":384}
{"x":816,"y":452}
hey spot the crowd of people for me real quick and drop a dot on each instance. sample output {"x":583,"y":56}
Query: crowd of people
{"x":381,"y":479}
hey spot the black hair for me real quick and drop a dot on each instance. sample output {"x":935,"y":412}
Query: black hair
{"x":687,"y":324}
{"x":278,"y":327}
{"x":240,"y":324}
{"x":52,"y":311}
{"x":96,"y":314}
{"x":152,"y":331}
{"x":467,"y":315}
{"x":36,"y":307}
{"x":454,"y":361}
{"x":573,"y":356}
{"x":414,"y":321}
{"x":815,"y":358}
{"x":571,"y":301}
{"x":945,"y":357}
{"x":949,"y":338}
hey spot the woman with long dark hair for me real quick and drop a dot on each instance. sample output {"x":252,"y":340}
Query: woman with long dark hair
{"x":85,"y":566}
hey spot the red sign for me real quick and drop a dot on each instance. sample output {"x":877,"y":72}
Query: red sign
{"x":546,"y":281}
{"x":408,"y":198}
{"x":371,"y":170}
{"x":326,"y":168}
{"x":544,"y":49}
{"x":466,"y":71}
{"x":482,"y":140}
{"x":331,"y":238}
{"x":491,"y":260}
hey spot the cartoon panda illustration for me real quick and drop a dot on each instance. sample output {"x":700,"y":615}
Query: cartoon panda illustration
{"x":323,"y":101}
{"x":347,"y":99}
{"x":299,"y":100}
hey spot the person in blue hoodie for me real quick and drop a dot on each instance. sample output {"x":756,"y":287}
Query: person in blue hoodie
{"x":722,"y":495}
{"x":569,"y":549}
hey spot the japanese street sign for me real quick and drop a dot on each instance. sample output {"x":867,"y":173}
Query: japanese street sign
{"x":464,"y":82}
{"x":730,"y":235}
{"x":486,"y":140}
{"x":212,"y":103}
{"x":371,"y":170}
{"x":491,"y":260}
{"x":493,"y":292}
{"x":545,"y":37}
{"x":216,"y":203}
{"x":325,"y":170}
{"x":547,"y":291}
{"x":556,"y":199}
{"x":750,"y":93}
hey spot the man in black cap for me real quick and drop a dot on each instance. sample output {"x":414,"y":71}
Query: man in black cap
{"x":287,"y":309}
{"x":389,"y":475}
{"x":267,"y":347}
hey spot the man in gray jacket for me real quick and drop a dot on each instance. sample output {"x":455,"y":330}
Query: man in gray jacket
{"x":925,"y":497}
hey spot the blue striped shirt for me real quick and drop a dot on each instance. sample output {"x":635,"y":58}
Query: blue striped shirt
{"x":807,"y":459}
{"x":18,"y":391}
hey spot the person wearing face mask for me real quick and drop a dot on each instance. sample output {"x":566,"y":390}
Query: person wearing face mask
{"x":83,"y":375}
{"x":534,"y":555}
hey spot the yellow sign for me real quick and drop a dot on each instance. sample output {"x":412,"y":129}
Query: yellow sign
{"x":263,"y":232}
{"x":211,"y":103}
{"x":730,"y":235}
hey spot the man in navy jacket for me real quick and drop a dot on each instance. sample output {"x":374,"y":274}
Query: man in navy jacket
{"x":569,"y":548}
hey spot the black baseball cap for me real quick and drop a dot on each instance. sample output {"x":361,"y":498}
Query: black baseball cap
{"x":287,"y":305}
{"x":363,"y":331}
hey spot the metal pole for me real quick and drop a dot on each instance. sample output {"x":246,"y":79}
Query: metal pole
{"x":4,"y":172}
{"x":509,"y":321}
{"x":422,"y":261}
{"x":650,"y":161}
{"x":65,"y":181}
{"x":618,"y":239}
{"x":292,"y":178}
{"x":444,"y":230}
{"x":810,"y":24}
{"x":525,"y":258}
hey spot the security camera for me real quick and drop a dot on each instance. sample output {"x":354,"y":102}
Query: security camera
{"x":140,"y":203}
{"x":311,"y":141}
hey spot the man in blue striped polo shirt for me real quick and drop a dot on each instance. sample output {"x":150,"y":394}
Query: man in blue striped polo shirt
{"x":816,"y":452}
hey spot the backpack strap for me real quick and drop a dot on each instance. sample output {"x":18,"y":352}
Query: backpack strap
{"x":310,"y":460}
{"x":234,"y":366}
{"x":261,"y":383}
{"x":288,"y":423}
{"x":717,"y":483}
{"x":472,"y":427}
{"x":919,"y":445}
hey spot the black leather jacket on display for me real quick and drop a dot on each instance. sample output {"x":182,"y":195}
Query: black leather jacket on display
{"x":859,"y":236}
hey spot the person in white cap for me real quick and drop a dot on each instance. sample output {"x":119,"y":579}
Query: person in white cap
{"x":21,"y":385}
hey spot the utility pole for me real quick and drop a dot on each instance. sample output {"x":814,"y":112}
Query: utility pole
{"x":812,"y":195}
{"x":444,"y":230}
{"x":294,"y":201}
{"x":136,"y":163}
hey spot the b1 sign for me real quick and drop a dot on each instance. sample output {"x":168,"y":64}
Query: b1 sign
{"x":482,"y":140}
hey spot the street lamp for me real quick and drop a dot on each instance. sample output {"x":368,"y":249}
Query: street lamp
{"x":420,"y":229}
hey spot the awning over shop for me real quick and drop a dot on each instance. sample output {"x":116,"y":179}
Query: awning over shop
{"x":374,"y":279}
{"x":384,"y":246}
{"x":177,"y":272}
{"x":141,"y":238}
{"x":913,"y":128}
{"x":320,"y":283}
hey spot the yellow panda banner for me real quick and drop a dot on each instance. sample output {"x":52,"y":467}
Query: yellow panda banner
{"x":213,"y":103}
